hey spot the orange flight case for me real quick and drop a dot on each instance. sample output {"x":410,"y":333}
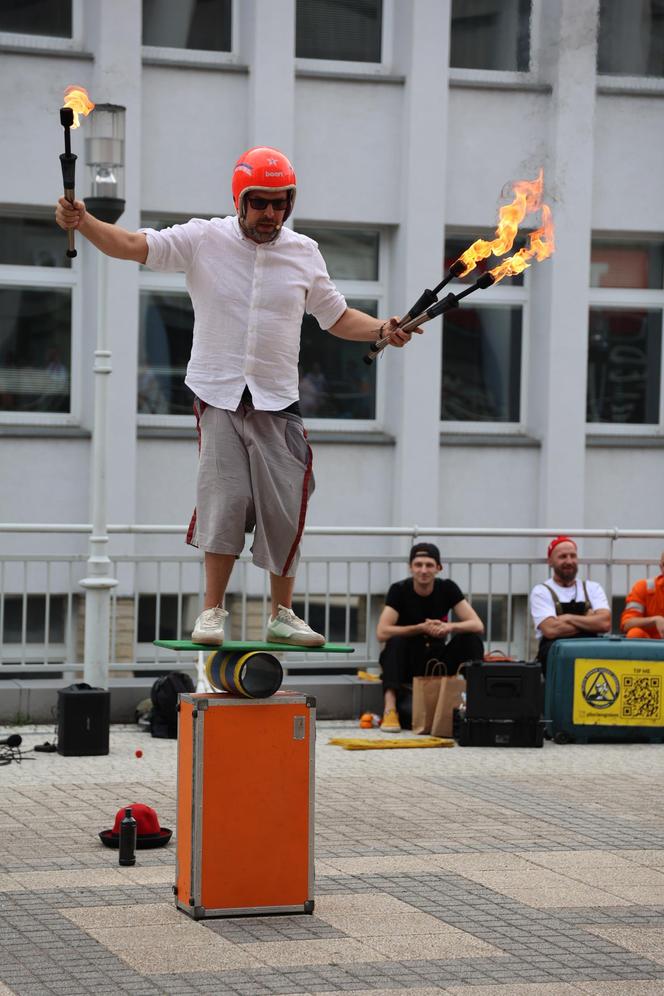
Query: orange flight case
{"x":245,"y":804}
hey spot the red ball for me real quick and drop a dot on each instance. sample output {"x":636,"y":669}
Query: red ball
{"x":138,"y":753}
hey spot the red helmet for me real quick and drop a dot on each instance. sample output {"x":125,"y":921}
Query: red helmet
{"x":262,"y":168}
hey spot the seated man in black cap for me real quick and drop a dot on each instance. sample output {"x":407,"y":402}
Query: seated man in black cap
{"x":415,"y":628}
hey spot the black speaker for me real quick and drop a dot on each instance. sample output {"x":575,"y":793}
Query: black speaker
{"x":84,"y":718}
{"x":504,"y":690}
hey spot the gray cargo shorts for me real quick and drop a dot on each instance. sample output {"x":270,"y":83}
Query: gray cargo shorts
{"x":254,"y":474}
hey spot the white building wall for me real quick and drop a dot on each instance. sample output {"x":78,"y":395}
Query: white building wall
{"x":410,"y":153}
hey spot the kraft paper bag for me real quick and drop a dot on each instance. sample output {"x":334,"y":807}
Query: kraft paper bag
{"x":426,"y":689}
{"x":450,"y":695}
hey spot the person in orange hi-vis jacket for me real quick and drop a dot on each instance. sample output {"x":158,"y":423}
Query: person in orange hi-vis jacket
{"x":643,"y":616}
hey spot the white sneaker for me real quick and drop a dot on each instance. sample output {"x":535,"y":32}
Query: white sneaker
{"x":288,"y":628}
{"x":209,"y":627}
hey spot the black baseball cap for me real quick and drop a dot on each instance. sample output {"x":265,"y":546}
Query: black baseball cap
{"x":424,"y":550}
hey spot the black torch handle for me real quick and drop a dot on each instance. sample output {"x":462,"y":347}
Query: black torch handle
{"x":426,"y":298}
{"x":68,"y":163}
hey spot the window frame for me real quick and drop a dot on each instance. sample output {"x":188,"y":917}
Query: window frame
{"x":375,"y":290}
{"x":46,"y":278}
{"x":628,"y":299}
{"x":198,"y":56}
{"x":10,"y":39}
{"x":332,"y":67}
{"x":496,"y":296}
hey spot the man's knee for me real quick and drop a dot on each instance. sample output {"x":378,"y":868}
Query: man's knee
{"x":636,"y":633}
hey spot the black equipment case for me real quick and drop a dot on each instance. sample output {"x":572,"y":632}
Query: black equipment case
{"x":504,"y":702}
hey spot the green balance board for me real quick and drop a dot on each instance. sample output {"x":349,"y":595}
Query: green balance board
{"x":251,"y":645}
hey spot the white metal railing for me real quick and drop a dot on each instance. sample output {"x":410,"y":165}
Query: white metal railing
{"x":41,"y":602}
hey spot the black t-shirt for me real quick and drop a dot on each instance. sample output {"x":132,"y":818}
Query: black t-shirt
{"x":414,"y":608}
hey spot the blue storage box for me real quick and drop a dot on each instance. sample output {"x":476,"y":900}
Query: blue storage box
{"x":606,"y":688}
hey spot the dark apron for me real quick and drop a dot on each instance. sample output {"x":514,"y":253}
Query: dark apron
{"x":573,"y":608}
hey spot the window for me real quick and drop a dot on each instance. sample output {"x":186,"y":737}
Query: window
{"x":28,"y":614}
{"x":343,"y":30}
{"x":52,"y":18}
{"x":165,"y":332}
{"x":625,"y":333}
{"x":490,"y":34}
{"x":334,"y":382}
{"x":624,"y":365}
{"x":631,"y":38}
{"x":166,"y":323}
{"x":202,"y":25}
{"x":36,"y":305}
{"x":482,"y":352}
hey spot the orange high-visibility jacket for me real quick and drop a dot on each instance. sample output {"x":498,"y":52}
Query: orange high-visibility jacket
{"x":644,"y":600}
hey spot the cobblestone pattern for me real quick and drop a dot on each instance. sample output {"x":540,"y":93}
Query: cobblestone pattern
{"x":390,"y":804}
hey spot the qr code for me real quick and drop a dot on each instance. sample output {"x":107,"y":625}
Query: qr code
{"x":641,"y":697}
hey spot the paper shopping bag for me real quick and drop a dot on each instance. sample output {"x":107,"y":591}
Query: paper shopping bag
{"x":426,"y":689}
{"x":450,"y":696}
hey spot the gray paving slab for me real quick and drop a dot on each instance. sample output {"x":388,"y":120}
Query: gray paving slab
{"x":460,"y":871}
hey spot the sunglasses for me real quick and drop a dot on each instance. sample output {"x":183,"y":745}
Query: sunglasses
{"x":261,"y":203}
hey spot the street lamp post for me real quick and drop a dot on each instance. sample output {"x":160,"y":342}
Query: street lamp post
{"x":104,"y":153}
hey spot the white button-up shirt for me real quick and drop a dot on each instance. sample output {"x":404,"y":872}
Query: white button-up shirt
{"x":249,"y":301}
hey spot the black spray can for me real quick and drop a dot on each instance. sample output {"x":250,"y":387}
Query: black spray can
{"x":127,"y":854}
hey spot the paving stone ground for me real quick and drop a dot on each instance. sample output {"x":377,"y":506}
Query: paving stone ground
{"x":469,"y":872}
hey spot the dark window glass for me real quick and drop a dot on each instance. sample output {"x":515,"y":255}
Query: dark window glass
{"x":165,"y":334}
{"x":336,"y":630}
{"x":147,"y":618}
{"x":349,"y":255}
{"x":624,"y":365}
{"x":490,"y":34}
{"x":36,"y":17}
{"x":347,"y":30}
{"x":458,"y":244}
{"x":334,"y":382}
{"x":482,"y":365}
{"x":35,"y":349}
{"x":631,"y":37}
{"x":32,"y":242}
{"x":626,"y":264}
{"x":495,"y":627}
{"x":196,"y":24}
{"x":35,"y":621}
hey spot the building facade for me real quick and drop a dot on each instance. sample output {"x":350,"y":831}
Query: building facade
{"x":538,"y":403}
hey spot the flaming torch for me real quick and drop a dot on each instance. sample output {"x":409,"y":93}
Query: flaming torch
{"x":76,"y":102}
{"x":527,"y":199}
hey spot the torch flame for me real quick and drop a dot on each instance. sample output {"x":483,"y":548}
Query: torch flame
{"x":76,"y":98}
{"x":527,"y":198}
{"x":541,"y":244}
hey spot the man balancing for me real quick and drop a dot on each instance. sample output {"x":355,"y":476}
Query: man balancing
{"x":250,"y":281}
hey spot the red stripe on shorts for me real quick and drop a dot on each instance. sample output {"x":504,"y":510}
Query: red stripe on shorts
{"x":199,"y":408}
{"x":303,"y":513}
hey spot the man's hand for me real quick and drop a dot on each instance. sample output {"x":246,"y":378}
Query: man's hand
{"x":659,"y":625}
{"x":69,"y":215}
{"x":397,"y":336}
{"x":436,"y":628}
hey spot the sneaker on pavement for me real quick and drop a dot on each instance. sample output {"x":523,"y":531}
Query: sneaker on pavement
{"x":209,"y":627}
{"x":286,"y":627}
{"x":390,"y":722}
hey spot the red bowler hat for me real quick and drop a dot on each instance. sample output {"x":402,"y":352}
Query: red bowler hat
{"x":148,"y":831}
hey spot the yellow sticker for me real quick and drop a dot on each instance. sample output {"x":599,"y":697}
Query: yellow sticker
{"x":618,"y":693}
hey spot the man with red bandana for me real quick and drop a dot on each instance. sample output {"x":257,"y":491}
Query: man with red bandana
{"x":250,"y":280}
{"x":643,"y":616}
{"x":564,"y":608}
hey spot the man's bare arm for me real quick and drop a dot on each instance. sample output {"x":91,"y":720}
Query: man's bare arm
{"x":112,"y":240}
